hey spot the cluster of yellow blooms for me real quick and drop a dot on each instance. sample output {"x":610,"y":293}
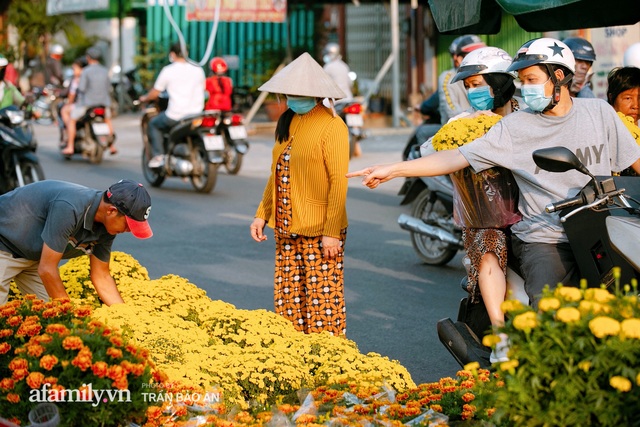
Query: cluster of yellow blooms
{"x":462,"y":131}
{"x":631,"y":125}
{"x":250,"y":354}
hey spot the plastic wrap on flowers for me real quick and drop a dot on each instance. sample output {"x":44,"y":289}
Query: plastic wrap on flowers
{"x":488,"y":199}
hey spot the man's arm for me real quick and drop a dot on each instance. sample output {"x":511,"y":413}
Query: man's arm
{"x":439,"y":163}
{"x":153,"y":94}
{"x":636,"y":166}
{"x":49,"y":273}
{"x":103,"y":282}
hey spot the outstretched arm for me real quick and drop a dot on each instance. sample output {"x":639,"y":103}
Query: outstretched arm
{"x":440,"y":163}
{"x":103,"y":281}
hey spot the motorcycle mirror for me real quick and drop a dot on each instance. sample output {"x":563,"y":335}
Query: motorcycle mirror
{"x":559,"y":159}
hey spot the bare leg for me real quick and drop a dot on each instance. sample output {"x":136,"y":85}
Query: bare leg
{"x":493,"y":287}
{"x":65,"y":114}
{"x":71,"y":133}
{"x":112,"y":146}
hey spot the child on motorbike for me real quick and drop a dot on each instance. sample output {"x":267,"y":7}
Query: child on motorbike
{"x":65,"y":110}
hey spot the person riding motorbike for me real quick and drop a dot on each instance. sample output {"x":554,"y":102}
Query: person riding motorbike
{"x":588,"y":127}
{"x":585,"y":56}
{"x":452,"y":96}
{"x":219,"y":86}
{"x":53,"y":66}
{"x":10,"y":95}
{"x":338,"y":69}
{"x":490,"y":90}
{"x":72,"y":92}
{"x":94,"y":88}
{"x":185,"y":85}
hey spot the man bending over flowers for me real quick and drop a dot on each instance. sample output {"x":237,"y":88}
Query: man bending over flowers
{"x":45,"y":222}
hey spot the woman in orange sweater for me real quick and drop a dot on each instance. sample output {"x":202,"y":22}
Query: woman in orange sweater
{"x":304,"y":200}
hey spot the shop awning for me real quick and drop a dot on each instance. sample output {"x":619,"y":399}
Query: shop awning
{"x":484,"y":16}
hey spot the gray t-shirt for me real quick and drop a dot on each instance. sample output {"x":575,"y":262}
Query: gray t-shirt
{"x":57,"y":213}
{"x":94,"y":87}
{"x":591,"y":130}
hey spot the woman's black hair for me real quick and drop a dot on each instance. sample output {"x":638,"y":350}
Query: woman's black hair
{"x":81,"y":61}
{"x":621,"y":79}
{"x":502,"y":86}
{"x":282,"y":127}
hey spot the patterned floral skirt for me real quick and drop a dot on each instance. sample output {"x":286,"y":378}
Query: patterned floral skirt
{"x":308,"y":289}
{"x":477,"y":243}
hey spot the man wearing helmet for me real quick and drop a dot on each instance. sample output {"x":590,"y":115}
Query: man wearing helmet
{"x":185,"y":84}
{"x":53,"y":66}
{"x":453,"y":97}
{"x":337,"y":69}
{"x":219,"y":86}
{"x":585,"y":56}
{"x":588,"y":127}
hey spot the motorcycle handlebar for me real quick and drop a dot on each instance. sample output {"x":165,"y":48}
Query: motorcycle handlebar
{"x":555,"y":207}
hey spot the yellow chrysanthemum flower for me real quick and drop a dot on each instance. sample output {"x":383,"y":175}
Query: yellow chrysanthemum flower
{"x":603,"y":326}
{"x":548,"y":303}
{"x":598,"y":294}
{"x":490,"y":340}
{"x":630,"y":328}
{"x":510,"y":366}
{"x":620,"y":383}
{"x":525,"y":321}
{"x":462,"y":131}
{"x":585,"y":365}
{"x":568,"y":293}
{"x":631,"y":126}
{"x":568,"y":314}
{"x":593,"y":307}
{"x":511,"y":305}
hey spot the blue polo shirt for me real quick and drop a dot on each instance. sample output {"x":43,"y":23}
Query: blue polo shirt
{"x":57,"y":213}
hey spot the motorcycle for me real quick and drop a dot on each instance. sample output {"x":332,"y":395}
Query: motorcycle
{"x":192,"y":150}
{"x":92,"y":134}
{"x":130,"y":90}
{"x":44,"y":106}
{"x":434,"y":236}
{"x":602,"y":224}
{"x":20,"y":165}
{"x":351,"y":113}
{"x":232,"y":130}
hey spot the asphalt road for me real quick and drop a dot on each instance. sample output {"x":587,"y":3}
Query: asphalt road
{"x":393,"y":301}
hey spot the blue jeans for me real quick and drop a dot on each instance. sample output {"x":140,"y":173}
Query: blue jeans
{"x":157,"y":126}
{"x":544,"y":264}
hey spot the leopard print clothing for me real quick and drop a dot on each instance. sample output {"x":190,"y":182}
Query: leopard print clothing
{"x":478,"y":242}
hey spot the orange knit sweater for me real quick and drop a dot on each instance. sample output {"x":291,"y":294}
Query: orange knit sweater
{"x":318,"y":164}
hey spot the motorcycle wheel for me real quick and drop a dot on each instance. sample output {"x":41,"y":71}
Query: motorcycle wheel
{"x":95,"y":156}
{"x":155,"y":177}
{"x":232,"y":161}
{"x":206,"y":180}
{"x":431,"y":251}
{"x":31,"y":172}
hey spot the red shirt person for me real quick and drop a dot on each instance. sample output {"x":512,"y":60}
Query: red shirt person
{"x":219,"y":86}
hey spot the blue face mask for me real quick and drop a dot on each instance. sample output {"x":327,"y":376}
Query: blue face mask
{"x":533,"y":96}
{"x":301,"y":104}
{"x":480,"y":97}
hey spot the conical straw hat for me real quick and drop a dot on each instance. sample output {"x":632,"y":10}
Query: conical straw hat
{"x":303,"y":77}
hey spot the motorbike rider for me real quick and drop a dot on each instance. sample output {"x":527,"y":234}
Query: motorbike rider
{"x":9,"y":94}
{"x":452,"y":96}
{"x":53,"y":66}
{"x":585,"y":56}
{"x":219,"y":86}
{"x":72,"y":91}
{"x":490,"y":90}
{"x":337,"y":69}
{"x":588,"y":127}
{"x":185,"y":84}
{"x":94,"y":88}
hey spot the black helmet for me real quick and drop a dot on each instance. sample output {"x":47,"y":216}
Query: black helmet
{"x":581,"y":48}
{"x":465,"y":44}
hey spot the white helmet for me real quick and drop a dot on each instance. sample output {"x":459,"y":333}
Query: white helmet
{"x":484,"y":61}
{"x":632,"y":56}
{"x":331,"y":52}
{"x":543,"y":51}
{"x":56,"y":49}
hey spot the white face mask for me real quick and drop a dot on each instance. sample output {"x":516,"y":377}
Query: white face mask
{"x":172,"y":57}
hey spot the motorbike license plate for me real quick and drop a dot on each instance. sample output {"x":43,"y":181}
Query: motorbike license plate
{"x":354,"y":120}
{"x":100,"y":128}
{"x":213,"y":142}
{"x":237,"y":132}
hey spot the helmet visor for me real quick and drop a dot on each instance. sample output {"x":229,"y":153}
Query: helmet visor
{"x":468,"y":71}
{"x":524,"y":61}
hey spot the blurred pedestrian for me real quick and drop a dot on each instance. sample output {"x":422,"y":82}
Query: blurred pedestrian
{"x":585,"y":56}
{"x":219,"y":86}
{"x":305,"y":200}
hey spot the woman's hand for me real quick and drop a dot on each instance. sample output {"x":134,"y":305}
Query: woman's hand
{"x":257,"y":228}
{"x":374,"y":175}
{"x":330,"y":247}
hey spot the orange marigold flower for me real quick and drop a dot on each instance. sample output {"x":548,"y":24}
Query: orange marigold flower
{"x":13,"y":398}
{"x":14,"y":320}
{"x":100,"y":369}
{"x":436,"y":408}
{"x":35,"y":350}
{"x":468,"y":397}
{"x":48,"y":361}
{"x":466,"y":415}
{"x":35,"y":379}
{"x":153,"y":412}
{"x":116,"y":372}
{"x":490,"y":412}
{"x":82,"y":311}
{"x":72,"y":343}
{"x":50,"y":380}
{"x":19,"y":374}
{"x":116,"y":340}
{"x":180,"y":411}
{"x":6,"y":333}
{"x":57,"y":328}
{"x":43,"y":339}
{"x":83,"y":359}
{"x":121,"y":383}
{"x":114,"y":352}
{"x":7,"y":384}
{"x":55,"y":394}
{"x":18,"y":363}
{"x":7,"y":311}
{"x":49,"y":313}
{"x":4,"y":347}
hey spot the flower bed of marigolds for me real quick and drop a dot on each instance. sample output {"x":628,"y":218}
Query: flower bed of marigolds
{"x":171,"y":356}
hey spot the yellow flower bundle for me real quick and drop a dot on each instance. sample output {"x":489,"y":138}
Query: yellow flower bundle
{"x":631,"y":125}
{"x":462,"y":131}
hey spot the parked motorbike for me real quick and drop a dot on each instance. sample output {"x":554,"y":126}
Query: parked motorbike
{"x":192,"y":150}
{"x":602,"y":223}
{"x":351,"y":113}
{"x":92,"y":134}
{"x":232,"y":130}
{"x":434,"y":236}
{"x":44,"y":106}
{"x":20,"y":165}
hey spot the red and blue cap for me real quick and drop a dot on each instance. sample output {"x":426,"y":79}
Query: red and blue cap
{"x":133,"y":201}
